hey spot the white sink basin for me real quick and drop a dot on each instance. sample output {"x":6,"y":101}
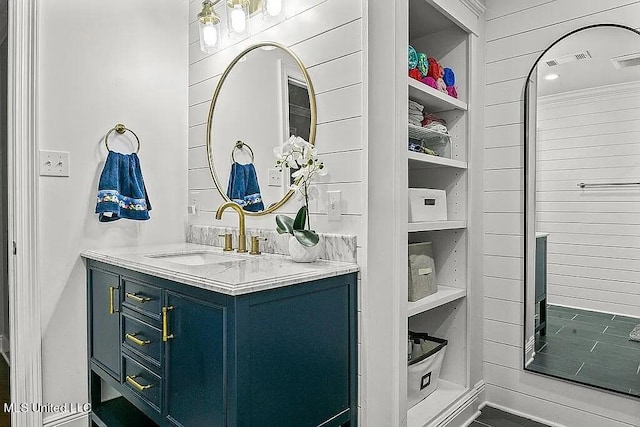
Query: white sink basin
{"x":195,"y":258}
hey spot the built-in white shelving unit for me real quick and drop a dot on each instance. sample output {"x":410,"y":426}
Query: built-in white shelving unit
{"x":444,"y":314}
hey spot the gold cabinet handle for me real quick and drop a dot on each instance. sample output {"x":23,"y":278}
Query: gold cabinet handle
{"x":112,"y":309}
{"x":136,"y":298}
{"x":136,"y":384}
{"x":138,"y":341}
{"x":165,"y":327}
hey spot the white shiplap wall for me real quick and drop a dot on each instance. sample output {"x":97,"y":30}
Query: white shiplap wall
{"x":327,"y":35}
{"x":591,"y":136}
{"x":517,"y":33}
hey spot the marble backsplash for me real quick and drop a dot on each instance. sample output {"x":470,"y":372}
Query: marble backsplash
{"x":334,"y":247}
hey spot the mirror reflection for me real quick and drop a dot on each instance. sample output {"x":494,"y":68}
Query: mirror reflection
{"x":583,"y":210}
{"x":262,"y":100}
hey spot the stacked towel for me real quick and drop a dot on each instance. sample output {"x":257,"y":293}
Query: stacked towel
{"x":415,"y":74}
{"x":243,"y":187}
{"x":121,"y":190}
{"x":449,"y":79}
{"x":423,"y":64}
{"x":432,"y":118}
{"x":435,"y":69}
{"x":429,"y":81}
{"x":413,"y":58}
{"x":415,"y":113}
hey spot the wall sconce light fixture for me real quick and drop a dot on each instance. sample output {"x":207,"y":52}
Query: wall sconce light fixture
{"x":238,"y":17}
{"x":209,"y":27}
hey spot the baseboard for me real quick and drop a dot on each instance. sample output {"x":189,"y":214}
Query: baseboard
{"x":523,"y":415}
{"x":462,"y":413}
{"x":65,"y":418}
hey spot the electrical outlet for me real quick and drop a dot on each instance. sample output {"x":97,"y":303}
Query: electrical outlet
{"x":334,"y":205}
{"x":54,"y":163}
{"x":275,"y":178}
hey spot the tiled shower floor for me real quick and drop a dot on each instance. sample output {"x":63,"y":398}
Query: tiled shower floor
{"x":589,"y":347}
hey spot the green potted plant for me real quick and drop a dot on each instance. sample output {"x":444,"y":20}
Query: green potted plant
{"x":296,"y":153}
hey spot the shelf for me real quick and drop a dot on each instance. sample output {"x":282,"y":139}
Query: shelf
{"x":119,"y":412}
{"x":436,"y":225}
{"x":420,"y":132}
{"x":424,"y":161}
{"x":432,"y":99}
{"x":444,"y":295}
{"x":438,"y":401}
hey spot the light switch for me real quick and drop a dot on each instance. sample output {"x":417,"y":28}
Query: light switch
{"x":334,"y":205}
{"x":54,"y":163}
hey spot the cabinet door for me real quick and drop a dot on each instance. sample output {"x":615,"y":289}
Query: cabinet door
{"x":104,"y":300}
{"x":195,"y":364}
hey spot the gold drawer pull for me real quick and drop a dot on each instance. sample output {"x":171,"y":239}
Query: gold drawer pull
{"x":112,"y":309}
{"x":133,"y":339}
{"x":136,"y":298}
{"x":165,"y":327}
{"x":137,"y":385}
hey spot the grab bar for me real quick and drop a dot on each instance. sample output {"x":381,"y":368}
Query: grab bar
{"x":606,"y":184}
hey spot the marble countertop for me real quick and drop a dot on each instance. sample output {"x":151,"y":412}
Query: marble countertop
{"x":239,"y":274}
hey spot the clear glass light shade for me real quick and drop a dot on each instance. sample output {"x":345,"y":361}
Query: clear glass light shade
{"x":238,"y":17}
{"x":208,"y":27}
{"x":209,"y":36}
{"x":272,"y":8}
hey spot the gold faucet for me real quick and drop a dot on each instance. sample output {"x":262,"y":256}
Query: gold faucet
{"x":242,"y":238}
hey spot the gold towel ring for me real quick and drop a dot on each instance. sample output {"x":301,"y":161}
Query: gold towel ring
{"x":120,"y":129}
{"x":239,"y":146}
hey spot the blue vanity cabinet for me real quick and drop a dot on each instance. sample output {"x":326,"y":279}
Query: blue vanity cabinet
{"x":195,"y":362}
{"x":104,"y":322}
{"x":278,"y":357}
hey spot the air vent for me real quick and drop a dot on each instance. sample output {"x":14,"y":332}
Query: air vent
{"x":568,"y":58}
{"x":625,"y":61}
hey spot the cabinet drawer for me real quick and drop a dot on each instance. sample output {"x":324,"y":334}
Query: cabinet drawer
{"x":141,"y":338}
{"x":142,"y":298}
{"x":142,"y":382}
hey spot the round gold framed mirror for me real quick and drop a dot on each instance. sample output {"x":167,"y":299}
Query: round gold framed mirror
{"x":263,"y":97}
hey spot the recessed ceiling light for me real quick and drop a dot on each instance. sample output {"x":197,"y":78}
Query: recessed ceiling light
{"x":551,"y":76}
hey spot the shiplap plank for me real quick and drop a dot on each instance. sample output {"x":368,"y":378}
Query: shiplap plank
{"x":593,"y":272}
{"x":632,"y":218}
{"x":595,"y":250}
{"x":340,"y":104}
{"x":503,"y":267}
{"x":503,"y":136}
{"x":591,"y":142}
{"x":341,"y":135}
{"x":593,"y":260}
{"x":595,"y":240}
{"x":504,"y":92}
{"x":590,"y":119}
{"x":503,"y":310}
{"x":501,"y":8}
{"x":504,"y":354}
{"x":504,"y":180}
{"x":502,"y":157}
{"x":616,"y":101}
{"x":590,"y":175}
{"x":606,"y":130}
{"x":507,"y":113}
{"x":503,"y":202}
{"x":504,"y":245}
{"x":588,"y":152}
{"x":197,"y":135}
{"x":500,"y":288}
{"x":600,"y":296}
{"x":504,"y":223}
{"x":547,"y":15}
{"x":594,"y":284}
{"x":537,"y":40}
{"x":506,"y":333}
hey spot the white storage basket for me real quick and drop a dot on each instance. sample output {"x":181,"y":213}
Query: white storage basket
{"x":426,"y":204}
{"x":424,"y":366}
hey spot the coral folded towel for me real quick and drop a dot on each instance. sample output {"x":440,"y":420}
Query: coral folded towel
{"x":121,"y":191}
{"x":415,"y":74}
{"x":435,"y":70}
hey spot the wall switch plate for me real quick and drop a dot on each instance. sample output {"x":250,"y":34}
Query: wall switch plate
{"x":54,"y":163}
{"x":334,"y":205}
{"x":275,"y":178}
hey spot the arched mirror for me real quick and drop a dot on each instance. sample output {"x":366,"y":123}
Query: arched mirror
{"x":263,"y":97}
{"x":582,"y":210}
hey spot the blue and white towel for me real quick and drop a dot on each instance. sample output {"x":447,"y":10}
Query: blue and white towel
{"x":243,"y":187}
{"x":121,"y":191}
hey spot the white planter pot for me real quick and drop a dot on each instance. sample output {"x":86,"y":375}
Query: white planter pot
{"x":301,"y":253}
